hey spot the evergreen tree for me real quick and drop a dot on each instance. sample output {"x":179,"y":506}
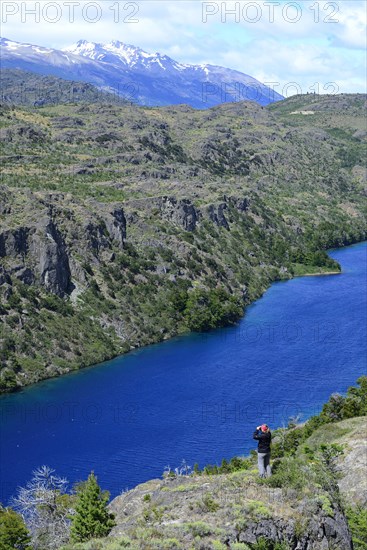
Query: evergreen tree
{"x":91,"y":518}
{"x":13,"y":532}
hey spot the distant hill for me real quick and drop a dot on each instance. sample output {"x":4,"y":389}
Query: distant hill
{"x":147,"y":79}
{"x":25,"y":88}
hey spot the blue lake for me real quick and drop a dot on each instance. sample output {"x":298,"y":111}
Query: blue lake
{"x":195,"y":397}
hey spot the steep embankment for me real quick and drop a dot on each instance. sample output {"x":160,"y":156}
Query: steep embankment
{"x":351,"y":434}
{"x":122,"y":226}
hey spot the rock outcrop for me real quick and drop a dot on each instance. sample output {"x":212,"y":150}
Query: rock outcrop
{"x":216,"y":215}
{"x":232,"y":507}
{"x":351,"y":465}
{"x":180,"y":212}
{"x":47,"y":247}
{"x":14,"y":242}
{"x":116,"y":225}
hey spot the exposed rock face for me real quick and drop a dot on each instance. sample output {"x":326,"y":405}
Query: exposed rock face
{"x":4,"y":276}
{"x":14,"y":242}
{"x":25,"y":275}
{"x":321,"y":533}
{"x":94,"y":235}
{"x":48,"y":246}
{"x":216,"y":215}
{"x":55,"y":239}
{"x":180,"y":212}
{"x":116,"y":225}
{"x":241,"y":204}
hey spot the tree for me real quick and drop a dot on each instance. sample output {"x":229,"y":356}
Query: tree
{"x":13,"y":532}
{"x":45,"y":507}
{"x":208,"y":309}
{"x":91,"y":518}
{"x":332,"y":411}
{"x":356,"y":401}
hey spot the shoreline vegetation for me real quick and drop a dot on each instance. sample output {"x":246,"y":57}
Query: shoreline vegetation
{"x":91,"y":365}
{"x":160,"y":221}
{"x":319,"y":273}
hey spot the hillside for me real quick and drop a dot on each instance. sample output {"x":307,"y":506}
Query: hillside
{"x":122,"y":226}
{"x":303,"y":506}
{"x":30,"y":89}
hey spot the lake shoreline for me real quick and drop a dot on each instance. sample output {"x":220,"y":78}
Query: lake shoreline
{"x":319,"y":274}
{"x":167,"y":339}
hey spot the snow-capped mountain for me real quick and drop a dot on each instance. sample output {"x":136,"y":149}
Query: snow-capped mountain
{"x":148,"y":79}
{"x":129,"y":56}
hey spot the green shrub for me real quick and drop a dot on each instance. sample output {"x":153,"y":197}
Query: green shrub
{"x":209,"y":504}
{"x":13,"y":532}
{"x":199,"y":529}
{"x":329,"y":454}
{"x":357,"y":520}
{"x":291,"y":472}
{"x":265,"y":544}
{"x":14,"y":301}
{"x":326,"y":505}
{"x":257,"y":509}
{"x":236,"y":464}
{"x":8,"y":380}
{"x":153,"y":514}
{"x":54,"y":303}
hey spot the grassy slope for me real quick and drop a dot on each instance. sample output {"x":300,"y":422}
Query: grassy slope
{"x":207,"y":511}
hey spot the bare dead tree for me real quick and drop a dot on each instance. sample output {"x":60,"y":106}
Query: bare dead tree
{"x":293,"y":421}
{"x":45,"y":507}
{"x":183,"y":470}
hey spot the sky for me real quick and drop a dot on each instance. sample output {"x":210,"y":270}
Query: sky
{"x":298,"y":47}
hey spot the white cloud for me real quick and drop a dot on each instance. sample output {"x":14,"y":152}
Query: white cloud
{"x":309,"y":65}
{"x":325,"y":44}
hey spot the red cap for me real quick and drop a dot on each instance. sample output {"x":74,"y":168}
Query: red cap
{"x":264,"y":427}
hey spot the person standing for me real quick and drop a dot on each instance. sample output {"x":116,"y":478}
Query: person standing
{"x":263,"y":435}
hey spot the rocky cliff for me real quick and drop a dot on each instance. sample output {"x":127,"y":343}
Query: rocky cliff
{"x":228,"y":509}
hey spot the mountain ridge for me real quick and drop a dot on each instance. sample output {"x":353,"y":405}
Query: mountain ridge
{"x":151,"y":79}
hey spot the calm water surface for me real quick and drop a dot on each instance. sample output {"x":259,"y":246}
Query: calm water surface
{"x":196,"y":397}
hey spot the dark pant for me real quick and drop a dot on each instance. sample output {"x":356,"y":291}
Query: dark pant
{"x":263,"y":461}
